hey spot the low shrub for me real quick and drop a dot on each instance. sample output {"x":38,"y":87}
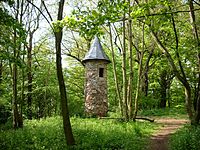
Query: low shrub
{"x":186,"y":138}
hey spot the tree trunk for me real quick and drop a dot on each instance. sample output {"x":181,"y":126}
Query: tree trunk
{"x":124,"y":74}
{"x":188,"y":100}
{"x":22,"y":85}
{"x":163,"y":89}
{"x":196,"y":37}
{"x":1,"y":74}
{"x":115,"y":73}
{"x":63,"y":95}
{"x":130,"y":83}
{"x":14,"y":101}
{"x":137,"y":95}
{"x":197,"y":116}
{"x":17,"y":118}
{"x":145,"y":86}
{"x":29,"y":75}
{"x":140,"y":68}
{"x":146,"y":82}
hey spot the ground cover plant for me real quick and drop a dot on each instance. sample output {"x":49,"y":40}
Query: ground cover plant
{"x":186,"y":138}
{"x":90,"y":133}
{"x":177,"y":112}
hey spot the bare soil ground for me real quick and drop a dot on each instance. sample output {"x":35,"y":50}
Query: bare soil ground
{"x":159,"y":140}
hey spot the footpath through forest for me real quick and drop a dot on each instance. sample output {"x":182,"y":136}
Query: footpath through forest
{"x":160,"y":139}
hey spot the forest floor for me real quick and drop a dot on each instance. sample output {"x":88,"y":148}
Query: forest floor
{"x":159,"y":140}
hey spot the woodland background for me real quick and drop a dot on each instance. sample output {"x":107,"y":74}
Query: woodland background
{"x":154,"y":47}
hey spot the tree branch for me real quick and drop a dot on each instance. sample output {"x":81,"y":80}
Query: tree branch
{"x":177,"y":45}
{"x":45,"y":7}
{"x":41,"y":14}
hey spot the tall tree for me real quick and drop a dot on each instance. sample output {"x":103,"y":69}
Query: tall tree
{"x":63,"y":95}
{"x":17,"y":117}
{"x":197,"y":46}
{"x":32,"y":27}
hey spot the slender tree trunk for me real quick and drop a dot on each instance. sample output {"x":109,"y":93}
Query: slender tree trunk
{"x":29,"y":75}
{"x":197,"y":116}
{"x":130,"y":83}
{"x":168,"y":98}
{"x":145,"y":87}
{"x":115,"y":73}
{"x":17,"y":119}
{"x":1,"y":75}
{"x":146,"y":82}
{"x":14,"y":101}
{"x":140,"y":68}
{"x":163,"y":89}
{"x":196,"y":37}
{"x":63,"y":95}
{"x":137,"y":95}
{"x":1,"y":71}
{"x":124,"y":74}
{"x":22,"y":86}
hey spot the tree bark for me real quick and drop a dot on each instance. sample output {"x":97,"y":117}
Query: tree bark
{"x":17,"y":118}
{"x":1,"y":71}
{"x":63,"y":95}
{"x":115,"y":73}
{"x":124,"y":74}
{"x":137,"y":95}
{"x":140,"y":68}
{"x":22,"y":84}
{"x":130,"y":83}
{"x":163,"y":89}
{"x":29,"y":76}
{"x":196,"y":37}
{"x":145,"y":85}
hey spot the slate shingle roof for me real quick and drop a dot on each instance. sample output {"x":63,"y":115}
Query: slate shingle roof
{"x":96,"y":52}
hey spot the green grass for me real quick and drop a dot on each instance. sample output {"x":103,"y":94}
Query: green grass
{"x":105,"y":134}
{"x":177,"y":112}
{"x":187,"y":138}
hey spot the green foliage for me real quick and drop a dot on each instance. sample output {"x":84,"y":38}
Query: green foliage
{"x":75,"y":88}
{"x":89,"y":134}
{"x":175,"y":112}
{"x":149,"y":102}
{"x":88,"y":22}
{"x":5,"y":114}
{"x":35,"y":135}
{"x":186,"y":138}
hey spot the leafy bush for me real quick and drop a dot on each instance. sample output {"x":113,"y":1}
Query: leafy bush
{"x":89,"y":134}
{"x":186,"y":139}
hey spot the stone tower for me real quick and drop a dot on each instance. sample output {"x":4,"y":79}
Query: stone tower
{"x":96,"y":61}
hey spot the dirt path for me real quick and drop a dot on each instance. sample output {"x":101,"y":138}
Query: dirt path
{"x":159,"y":140}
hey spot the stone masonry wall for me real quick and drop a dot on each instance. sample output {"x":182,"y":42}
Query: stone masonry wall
{"x":96,"y":89}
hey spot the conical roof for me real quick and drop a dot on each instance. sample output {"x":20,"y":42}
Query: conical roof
{"x":96,"y":52}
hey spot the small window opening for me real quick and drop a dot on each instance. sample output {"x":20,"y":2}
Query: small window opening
{"x":101,"y":70}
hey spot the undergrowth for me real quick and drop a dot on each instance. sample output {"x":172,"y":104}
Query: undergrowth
{"x":89,"y":134}
{"x":175,"y":112}
{"x":187,"y":138}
